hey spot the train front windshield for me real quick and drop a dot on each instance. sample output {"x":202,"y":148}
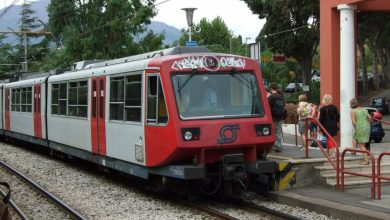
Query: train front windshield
{"x":217,"y":95}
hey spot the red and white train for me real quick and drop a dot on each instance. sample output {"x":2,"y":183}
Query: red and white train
{"x":175,"y":114}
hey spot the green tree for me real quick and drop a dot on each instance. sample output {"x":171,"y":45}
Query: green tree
{"x":101,"y":28}
{"x":152,"y":42}
{"x":291,"y":27}
{"x":5,"y":56}
{"x":27,"y":23}
{"x":216,"y":36}
{"x":373,"y":30}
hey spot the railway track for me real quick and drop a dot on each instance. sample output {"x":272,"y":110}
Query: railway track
{"x":254,"y":211}
{"x":272,"y":213}
{"x":68,"y":211}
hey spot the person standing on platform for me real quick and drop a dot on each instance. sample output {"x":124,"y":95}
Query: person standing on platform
{"x":304,"y":111}
{"x":276,"y":103}
{"x":313,"y":127}
{"x":329,"y":116}
{"x":361,"y":123}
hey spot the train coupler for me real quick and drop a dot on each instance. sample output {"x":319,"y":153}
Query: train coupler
{"x":234,"y":174}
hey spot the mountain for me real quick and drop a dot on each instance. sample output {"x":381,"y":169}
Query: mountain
{"x":171,"y":33}
{"x":10,"y":21}
{"x":11,"y":18}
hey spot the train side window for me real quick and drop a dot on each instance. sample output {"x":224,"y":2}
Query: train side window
{"x":133,"y":95}
{"x":125,"y":98}
{"x":29,"y":98}
{"x":156,"y":109}
{"x":54,"y":99}
{"x":117,"y":98}
{"x":77,"y":101}
{"x":62,"y":98}
{"x":15,"y":100}
{"x":72,"y":100}
{"x":82,"y":99}
{"x":26,"y":99}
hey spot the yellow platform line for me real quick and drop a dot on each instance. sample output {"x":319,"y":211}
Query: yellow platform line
{"x":279,"y":157}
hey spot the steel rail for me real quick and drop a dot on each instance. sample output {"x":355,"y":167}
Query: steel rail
{"x":210,"y":211}
{"x":263,"y":209}
{"x":73,"y":213}
{"x":18,"y":211}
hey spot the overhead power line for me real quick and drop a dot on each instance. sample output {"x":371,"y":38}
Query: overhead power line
{"x":162,"y":2}
{"x":8,"y":8}
{"x":288,"y":30}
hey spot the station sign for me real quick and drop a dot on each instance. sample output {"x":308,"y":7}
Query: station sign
{"x":278,"y":58}
{"x":191,"y":44}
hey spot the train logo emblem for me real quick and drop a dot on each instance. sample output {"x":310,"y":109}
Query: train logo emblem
{"x":228,"y":134}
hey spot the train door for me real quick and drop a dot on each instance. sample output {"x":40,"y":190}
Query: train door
{"x":6,"y":111}
{"x":98,"y":115}
{"x":37,"y":111}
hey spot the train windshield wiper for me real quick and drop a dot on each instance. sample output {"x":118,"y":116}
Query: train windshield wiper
{"x":187,"y":80}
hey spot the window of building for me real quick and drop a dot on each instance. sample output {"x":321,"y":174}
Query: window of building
{"x":21,"y":99}
{"x":156,"y":109}
{"x":125,"y":98}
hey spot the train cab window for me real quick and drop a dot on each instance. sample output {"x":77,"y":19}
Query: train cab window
{"x":156,"y":109}
{"x":125,"y":98}
{"x":217,"y":95}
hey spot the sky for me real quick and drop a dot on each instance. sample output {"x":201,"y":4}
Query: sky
{"x":235,"y":13}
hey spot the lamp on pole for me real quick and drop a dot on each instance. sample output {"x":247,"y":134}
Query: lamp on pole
{"x":189,"y":15}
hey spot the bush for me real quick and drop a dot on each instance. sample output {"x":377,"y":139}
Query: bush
{"x":291,"y":97}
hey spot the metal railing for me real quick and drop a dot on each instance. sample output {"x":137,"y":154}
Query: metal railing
{"x":336,"y":165}
{"x":379,"y":175}
{"x":340,"y":184}
{"x":372,"y":176}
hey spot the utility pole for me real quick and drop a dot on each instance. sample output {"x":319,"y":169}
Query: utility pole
{"x":25,"y":67}
{"x":25,"y":33}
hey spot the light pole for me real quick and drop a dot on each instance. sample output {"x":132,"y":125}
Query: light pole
{"x":189,"y":15}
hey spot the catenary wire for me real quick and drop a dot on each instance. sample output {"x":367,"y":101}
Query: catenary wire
{"x":8,"y":8}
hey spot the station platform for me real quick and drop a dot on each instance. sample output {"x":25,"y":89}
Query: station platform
{"x":308,"y":189}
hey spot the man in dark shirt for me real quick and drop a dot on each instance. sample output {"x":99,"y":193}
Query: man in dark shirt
{"x":276,"y":103}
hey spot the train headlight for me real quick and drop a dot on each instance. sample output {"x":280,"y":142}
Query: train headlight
{"x":266,"y":131}
{"x":263,"y":129}
{"x":190,"y":134}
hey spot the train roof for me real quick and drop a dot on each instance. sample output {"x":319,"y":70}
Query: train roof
{"x":125,"y":64}
{"x":27,"y":82}
{"x":86,"y":69}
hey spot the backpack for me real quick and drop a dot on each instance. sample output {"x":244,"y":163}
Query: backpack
{"x":277,"y":107}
